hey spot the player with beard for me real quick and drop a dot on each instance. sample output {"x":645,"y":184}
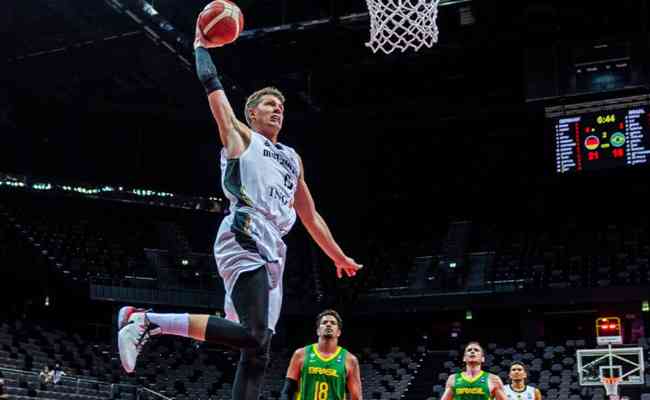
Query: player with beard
{"x":473,"y":383}
{"x":323,"y":370}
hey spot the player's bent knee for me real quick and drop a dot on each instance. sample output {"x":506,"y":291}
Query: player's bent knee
{"x":261,"y":338}
{"x":258,"y":357}
{"x":255,"y":359}
{"x":222,"y":331}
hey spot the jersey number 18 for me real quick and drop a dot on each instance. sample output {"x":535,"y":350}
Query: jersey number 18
{"x":321,"y":391}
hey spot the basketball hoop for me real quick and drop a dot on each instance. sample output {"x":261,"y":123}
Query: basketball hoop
{"x":611,"y":386}
{"x":402,"y":24}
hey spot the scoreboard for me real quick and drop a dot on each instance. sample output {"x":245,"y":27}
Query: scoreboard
{"x":593,"y":140}
{"x":608,"y":331}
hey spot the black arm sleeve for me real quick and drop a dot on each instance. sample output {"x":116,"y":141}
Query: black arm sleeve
{"x":289,"y":389}
{"x":206,"y":71}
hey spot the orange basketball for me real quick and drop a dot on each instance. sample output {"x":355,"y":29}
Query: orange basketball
{"x":221,"y":22}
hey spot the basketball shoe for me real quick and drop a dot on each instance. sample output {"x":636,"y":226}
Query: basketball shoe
{"x":133,"y":331}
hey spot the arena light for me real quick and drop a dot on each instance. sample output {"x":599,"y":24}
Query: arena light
{"x":185,"y":262}
{"x":14,"y":184}
{"x":452,"y":265}
{"x":645,"y":306}
{"x":149,"y":9}
{"x":41,"y":186}
{"x":468,"y":315}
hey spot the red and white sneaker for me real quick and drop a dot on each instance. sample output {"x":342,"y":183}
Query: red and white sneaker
{"x":134,"y":331}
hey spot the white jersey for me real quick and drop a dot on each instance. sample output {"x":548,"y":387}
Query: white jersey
{"x":263,"y":181}
{"x":527,"y":394}
{"x":261,"y":185}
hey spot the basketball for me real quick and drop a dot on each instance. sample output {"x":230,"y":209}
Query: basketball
{"x":221,"y":22}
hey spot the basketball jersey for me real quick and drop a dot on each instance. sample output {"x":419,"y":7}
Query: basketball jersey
{"x":323,"y":378}
{"x":527,"y":394}
{"x":263,"y":181}
{"x":476,"y":388}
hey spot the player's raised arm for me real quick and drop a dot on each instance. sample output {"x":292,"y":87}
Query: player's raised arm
{"x":235,"y":135}
{"x":293,"y":375}
{"x":354,"y":378}
{"x":319,"y":231}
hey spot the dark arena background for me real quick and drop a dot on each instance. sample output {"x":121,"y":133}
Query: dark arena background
{"x":495,"y":186}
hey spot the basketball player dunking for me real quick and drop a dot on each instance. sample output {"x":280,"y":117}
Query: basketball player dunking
{"x":518,"y":389}
{"x":323,"y":370}
{"x":265,"y":183}
{"x":473,"y":383}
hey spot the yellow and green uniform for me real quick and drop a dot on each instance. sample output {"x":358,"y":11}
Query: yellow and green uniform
{"x":323,"y":378}
{"x":472,"y":388}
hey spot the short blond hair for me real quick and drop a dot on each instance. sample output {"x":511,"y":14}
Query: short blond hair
{"x":254,"y":99}
{"x":476,"y":343}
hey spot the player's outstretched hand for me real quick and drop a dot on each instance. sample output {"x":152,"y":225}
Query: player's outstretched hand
{"x":200,"y":40}
{"x":347,"y":266}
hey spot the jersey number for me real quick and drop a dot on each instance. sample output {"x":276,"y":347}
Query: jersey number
{"x":321,"y":391}
{"x":288,"y":182}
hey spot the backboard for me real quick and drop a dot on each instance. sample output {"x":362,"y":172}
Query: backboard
{"x":624,"y":362}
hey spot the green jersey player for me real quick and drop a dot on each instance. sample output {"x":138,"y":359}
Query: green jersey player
{"x":473,"y":383}
{"x":323,"y":370}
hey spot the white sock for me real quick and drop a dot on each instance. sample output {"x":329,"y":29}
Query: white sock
{"x":171,"y":324}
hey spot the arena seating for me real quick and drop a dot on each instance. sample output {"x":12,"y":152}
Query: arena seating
{"x":574,"y":255}
{"x":79,"y":236}
{"x":183,"y":369}
{"x":176,"y":367}
{"x":92,"y":239}
{"x":531,"y":255}
{"x":108,"y":242}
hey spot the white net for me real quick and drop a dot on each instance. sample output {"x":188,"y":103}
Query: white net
{"x":402,"y":24}
{"x":611,"y":386}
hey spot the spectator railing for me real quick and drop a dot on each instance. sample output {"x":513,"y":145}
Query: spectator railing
{"x":76,"y":381}
{"x":146,"y":393}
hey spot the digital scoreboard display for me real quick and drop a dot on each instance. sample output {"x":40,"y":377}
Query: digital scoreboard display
{"x":589,"y":141}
